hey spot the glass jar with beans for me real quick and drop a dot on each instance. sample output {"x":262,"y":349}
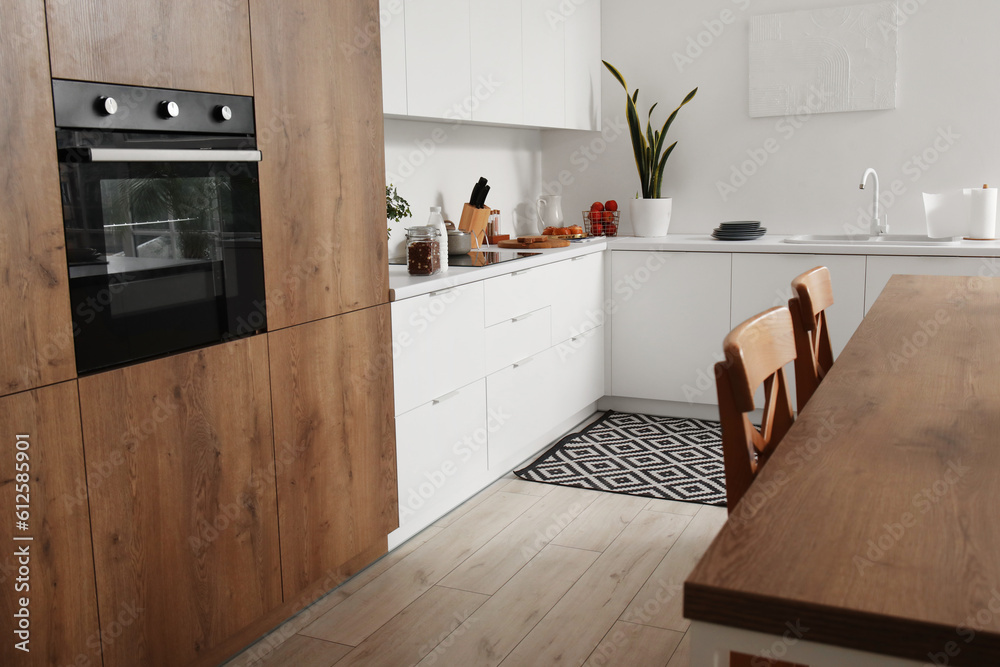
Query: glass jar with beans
{"x":423,"y":251}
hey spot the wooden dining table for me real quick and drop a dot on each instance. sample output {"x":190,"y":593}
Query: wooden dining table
{"x":872,"y":535}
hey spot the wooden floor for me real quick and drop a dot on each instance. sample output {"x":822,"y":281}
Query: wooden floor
{"x":521,"y":574}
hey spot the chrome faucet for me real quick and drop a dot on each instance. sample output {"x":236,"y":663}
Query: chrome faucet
{"x":878,"y":227}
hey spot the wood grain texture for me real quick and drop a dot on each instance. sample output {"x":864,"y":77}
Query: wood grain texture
{"x":180,"y":469}
{"x":322,"y":182}
{"x":374,"y":605}
{"x":875,"y":522}
{"x":756,"y":353}
{"x":331,"y":388}
{"x":813,"y":347}
{"x":487,"y":636}
{"x":182,"y":44}
{"x":594,"y":603}
{"x":287,"y":617}
{"x":36,"y":335}
{"x":63,"y":599}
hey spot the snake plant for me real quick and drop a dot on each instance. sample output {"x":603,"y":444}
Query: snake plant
{"x":650,"y":158}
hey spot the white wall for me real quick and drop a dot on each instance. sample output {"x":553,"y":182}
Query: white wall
{"x":437,"y":164}
{"x":948,"y":51}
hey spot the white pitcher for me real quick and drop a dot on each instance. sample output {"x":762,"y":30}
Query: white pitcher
{"x":549,"y":209}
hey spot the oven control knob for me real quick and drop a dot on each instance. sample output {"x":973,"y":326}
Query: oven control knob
{"x":107,"y":106}
{"x":169,"y":109}
{"x":223,"y":113}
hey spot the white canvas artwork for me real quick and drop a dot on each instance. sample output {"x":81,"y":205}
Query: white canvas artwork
{"x":824,"y":60}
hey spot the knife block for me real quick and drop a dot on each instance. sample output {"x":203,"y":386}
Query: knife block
{"x":474,"y":221}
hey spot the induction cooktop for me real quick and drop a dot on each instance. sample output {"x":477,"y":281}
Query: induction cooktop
{"x":474,"y":258}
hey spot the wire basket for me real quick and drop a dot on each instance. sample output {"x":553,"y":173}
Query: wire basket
{"x":600,"y":223}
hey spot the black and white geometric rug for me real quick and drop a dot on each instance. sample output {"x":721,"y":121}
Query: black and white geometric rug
{"x":639,"y":455}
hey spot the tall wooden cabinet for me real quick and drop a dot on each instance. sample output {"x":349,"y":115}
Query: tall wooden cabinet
{"x":331,"y":388}
{"x":180,"y":470}
{"x":318,"y":99}
{"x":184,"y":44}
{"x":59,"y":583}
{"x":36,"y":338}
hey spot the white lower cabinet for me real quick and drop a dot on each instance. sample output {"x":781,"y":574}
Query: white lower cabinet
{"x":764,"y":281}
{"x":670,"y":315}
{"x":880,"y":269}
{"x":578,"y":297}
{"x":485,"y":375}
{"x":440,"y":456}
{"x":436,"y":344}
{"x":533,"y":396}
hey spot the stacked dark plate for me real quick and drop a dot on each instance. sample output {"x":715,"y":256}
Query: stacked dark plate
{"x":742,"y":230}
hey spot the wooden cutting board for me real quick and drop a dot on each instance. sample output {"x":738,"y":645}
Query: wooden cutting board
{"x":537,"y":242}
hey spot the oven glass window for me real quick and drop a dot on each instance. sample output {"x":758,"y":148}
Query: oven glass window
{"x":177,"y":219}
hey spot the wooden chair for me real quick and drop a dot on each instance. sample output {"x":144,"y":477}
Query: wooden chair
{"x":814,"y":353}
{"x":756,"y":353}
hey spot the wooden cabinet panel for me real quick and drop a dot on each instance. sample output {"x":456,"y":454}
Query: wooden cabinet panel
{"x":319,"y":116}
{"x":180,"y":469}
{"x":36,"y":338}
{"x":332,"y":396}
{"x":63,"y":604}
{"x":185,"y":44}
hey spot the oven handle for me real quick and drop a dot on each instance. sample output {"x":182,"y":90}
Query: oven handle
{"x":167,"y":155}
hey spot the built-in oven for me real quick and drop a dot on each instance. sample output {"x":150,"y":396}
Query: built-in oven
{"x":161,"y":210}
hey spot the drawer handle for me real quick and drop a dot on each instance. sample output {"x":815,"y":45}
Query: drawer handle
{"x":444,"y":398}
{"x":523,"y":362}
{"x":520,"y":273}
{"x":443,"y":291}
{"x":577,"y":259}
{"x":521,"y":318}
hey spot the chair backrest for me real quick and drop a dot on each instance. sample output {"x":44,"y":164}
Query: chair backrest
{"x":756,"y":353}
{"x":814,"y":353}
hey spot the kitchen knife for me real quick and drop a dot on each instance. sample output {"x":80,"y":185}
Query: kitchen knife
{"x":482,"y":197}
{"x":477,"y":192}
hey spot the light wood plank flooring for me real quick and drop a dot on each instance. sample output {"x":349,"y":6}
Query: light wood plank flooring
{"x":522,"y":574}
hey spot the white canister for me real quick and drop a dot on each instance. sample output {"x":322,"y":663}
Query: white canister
{"x":436,"y":220}
{"x":983,"y":214}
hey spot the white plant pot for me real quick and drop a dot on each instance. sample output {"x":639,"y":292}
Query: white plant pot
{"x":650,"y":217}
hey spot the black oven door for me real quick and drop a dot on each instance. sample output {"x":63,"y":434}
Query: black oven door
{"x":164,"y":250}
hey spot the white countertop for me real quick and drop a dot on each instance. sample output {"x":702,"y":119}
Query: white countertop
{"x":773,"y":243}
{"x":402,"y":285}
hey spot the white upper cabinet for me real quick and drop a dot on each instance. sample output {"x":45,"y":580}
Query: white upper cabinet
{"x":438,"y":67}
{"x":393,"y":56}
{"x":543,"y":28}
{"x":583,"y":66}
{"x":497,"y":61}
{"x":515,"y":62}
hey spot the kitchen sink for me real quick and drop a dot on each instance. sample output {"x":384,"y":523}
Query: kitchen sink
{"x":884,"y":239}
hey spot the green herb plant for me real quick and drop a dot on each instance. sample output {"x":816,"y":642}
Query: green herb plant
{"x":396,"y":208}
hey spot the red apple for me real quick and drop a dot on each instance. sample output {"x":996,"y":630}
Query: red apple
{"x":611,"y":205}
{"x":597,"y":206}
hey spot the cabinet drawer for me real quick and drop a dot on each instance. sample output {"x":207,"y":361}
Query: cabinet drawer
{"x":517,"y":338}
{"x":579,"y":374}
{"x":436,"y":344}
{"x":578,"y":296}
{"x":440,"y":455}
{"x":530,"y":398}
{"x":519,"y":292}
